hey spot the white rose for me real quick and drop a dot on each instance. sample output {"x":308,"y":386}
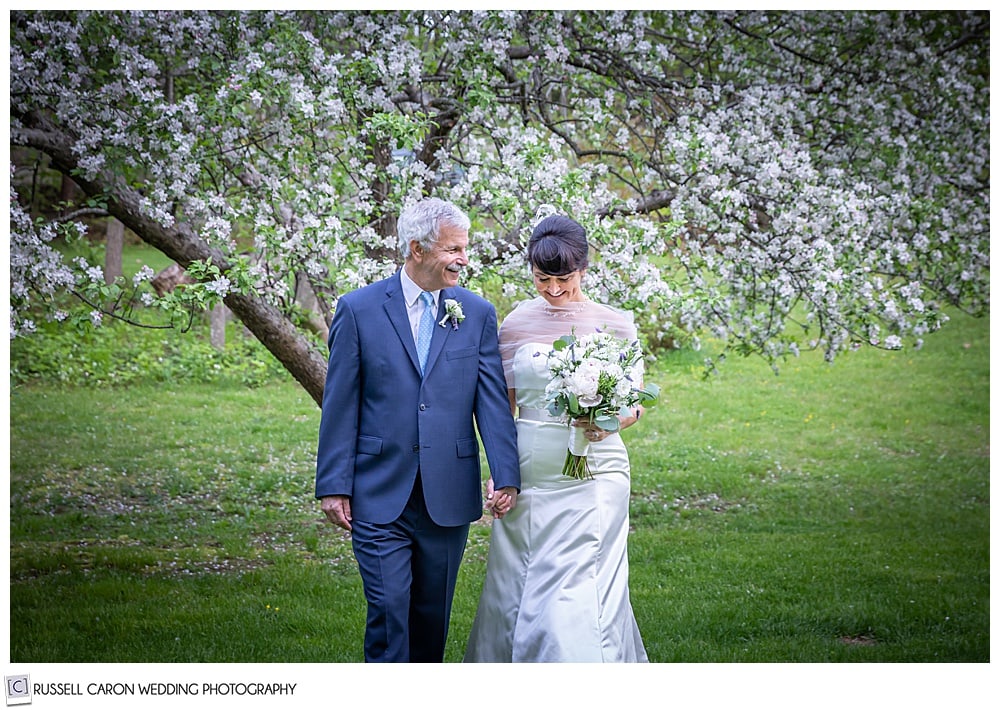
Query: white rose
{"x":586,"y":378}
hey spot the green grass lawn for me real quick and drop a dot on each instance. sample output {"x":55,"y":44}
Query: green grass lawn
{"x":833,"y":513}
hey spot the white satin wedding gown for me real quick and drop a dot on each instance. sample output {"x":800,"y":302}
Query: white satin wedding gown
{"x":556,"y":586}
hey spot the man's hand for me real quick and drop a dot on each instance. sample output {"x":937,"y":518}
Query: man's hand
{"x":337,"y":510}
{"x":500,"y":502}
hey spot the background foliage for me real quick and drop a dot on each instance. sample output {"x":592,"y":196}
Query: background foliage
{"x":774,"y":181}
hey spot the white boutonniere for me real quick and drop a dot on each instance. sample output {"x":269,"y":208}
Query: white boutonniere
{"x":452,"y":312}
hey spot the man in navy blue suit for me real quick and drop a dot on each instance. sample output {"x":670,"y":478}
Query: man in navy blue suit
{"x":398,"y":458}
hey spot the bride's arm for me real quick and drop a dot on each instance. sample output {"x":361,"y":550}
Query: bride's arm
{"x":632,"y":418}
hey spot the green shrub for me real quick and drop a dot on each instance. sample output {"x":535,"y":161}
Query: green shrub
{"x":120,"y":354}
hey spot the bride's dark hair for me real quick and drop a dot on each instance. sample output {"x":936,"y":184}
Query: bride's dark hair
{"x":558,"y":246}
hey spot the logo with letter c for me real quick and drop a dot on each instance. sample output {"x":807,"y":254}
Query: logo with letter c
{"x":18,"y":689}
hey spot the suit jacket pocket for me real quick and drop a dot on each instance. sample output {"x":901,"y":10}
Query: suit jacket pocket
{"x":371,"y":445}
{"x":462,"y":352}
{"x":467,"y":448}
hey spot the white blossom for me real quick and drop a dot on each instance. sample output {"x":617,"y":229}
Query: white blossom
{"x":790,"y":176}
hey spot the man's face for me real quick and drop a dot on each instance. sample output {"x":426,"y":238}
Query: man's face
{"x":440,"y":266}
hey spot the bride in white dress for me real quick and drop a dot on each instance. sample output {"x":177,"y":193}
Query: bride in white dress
{"x":556,"y":586}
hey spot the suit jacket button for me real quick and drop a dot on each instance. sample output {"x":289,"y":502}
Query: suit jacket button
{"x":416,"y":448}
{"x":423,"y":407}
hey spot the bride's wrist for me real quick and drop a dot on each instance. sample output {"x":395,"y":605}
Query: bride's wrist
{"x":629,"y":420}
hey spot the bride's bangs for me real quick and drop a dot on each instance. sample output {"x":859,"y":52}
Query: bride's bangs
{"x":551,"y":257}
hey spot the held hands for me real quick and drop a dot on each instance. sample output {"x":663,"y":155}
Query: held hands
{"x":500,"y":502}
{"x":337,"y":510}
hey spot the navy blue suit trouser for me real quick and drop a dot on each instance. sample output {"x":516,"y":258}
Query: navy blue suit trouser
{"x":409,"y":568}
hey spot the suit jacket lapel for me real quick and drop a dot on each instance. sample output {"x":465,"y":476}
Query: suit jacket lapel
{"x":395,"y":309}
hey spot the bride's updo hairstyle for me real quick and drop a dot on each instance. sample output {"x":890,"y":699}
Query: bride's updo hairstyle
{"x":558,"y":246}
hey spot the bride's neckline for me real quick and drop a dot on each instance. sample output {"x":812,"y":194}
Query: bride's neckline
{"x":566,"y":311}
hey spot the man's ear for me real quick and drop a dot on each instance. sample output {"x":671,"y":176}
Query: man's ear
{"x":416,"y":249}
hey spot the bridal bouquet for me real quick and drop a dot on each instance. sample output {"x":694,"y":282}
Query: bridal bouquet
{"x":593,"y":377}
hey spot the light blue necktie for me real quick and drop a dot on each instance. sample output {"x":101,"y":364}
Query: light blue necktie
{"x":426,"y":328}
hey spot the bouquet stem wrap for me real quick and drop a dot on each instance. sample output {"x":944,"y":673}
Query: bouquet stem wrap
{"x":575,"y":465}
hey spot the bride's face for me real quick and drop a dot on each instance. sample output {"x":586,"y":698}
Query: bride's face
{"x":560,"y":290}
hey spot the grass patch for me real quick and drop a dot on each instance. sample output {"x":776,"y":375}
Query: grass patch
{"x":832,"y":513}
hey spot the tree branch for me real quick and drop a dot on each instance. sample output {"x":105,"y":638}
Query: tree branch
{"x":182,"y":244}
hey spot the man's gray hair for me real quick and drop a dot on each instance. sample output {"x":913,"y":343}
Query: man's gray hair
{"x":422,"y":221}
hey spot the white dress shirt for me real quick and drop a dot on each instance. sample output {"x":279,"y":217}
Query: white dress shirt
{"x":414,"y":306}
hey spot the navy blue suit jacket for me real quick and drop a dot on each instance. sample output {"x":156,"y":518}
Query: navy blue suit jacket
{"x":382,"y":420}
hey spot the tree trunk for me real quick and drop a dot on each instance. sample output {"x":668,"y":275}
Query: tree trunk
{"x":217,"y":326}
{"x":114,"y":244}
{"x":67,"y":191}
{"x":306,"y":297}
{"x":169,"y":279}
{"x":183,"y":245}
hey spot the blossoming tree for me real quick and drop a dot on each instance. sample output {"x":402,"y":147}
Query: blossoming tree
{"x":776,"y":181}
